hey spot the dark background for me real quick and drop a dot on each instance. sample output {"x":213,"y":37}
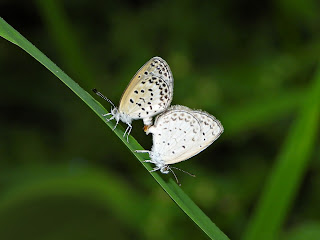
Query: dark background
{"x":65,"y":175}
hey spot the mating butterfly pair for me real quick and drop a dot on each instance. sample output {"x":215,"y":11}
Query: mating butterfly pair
{"x":179,"y":132}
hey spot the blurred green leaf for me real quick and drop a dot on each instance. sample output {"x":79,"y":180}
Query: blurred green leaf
{"x":261,"y":112}
{"x":24,"y":185}
{"x":310,"y":231}
{"x":289,"y":169}
{"x":65,"y":38}
{"x":174,"y":191}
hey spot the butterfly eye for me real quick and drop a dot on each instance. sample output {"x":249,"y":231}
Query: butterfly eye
{"x":165,"y":169}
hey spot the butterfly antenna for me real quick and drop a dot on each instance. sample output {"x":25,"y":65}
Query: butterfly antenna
{"x":175,"y":176}
{"x":103,"y":97}
{"x":192,"y":175}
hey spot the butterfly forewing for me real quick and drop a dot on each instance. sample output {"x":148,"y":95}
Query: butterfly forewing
{"x":148,"y":98}
{"x":150,"y":91}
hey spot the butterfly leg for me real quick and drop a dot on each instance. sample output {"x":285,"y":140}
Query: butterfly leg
{"x":142,"y":151}
{"x":129,"y":133}
{"x":128,"y":130}
{"x":110,"y":119}
{"x":150,"y":161}
{"x":104,"y":115}
{"x":155,"y":169}
{"x":116,"y":124}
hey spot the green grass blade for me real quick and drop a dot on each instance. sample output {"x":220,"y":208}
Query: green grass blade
{"x":175,"y":192}
{"x":289,"y":169}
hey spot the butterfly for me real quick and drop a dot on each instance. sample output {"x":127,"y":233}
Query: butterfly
{"x":149,"y":93}
{"x":179,"y":134}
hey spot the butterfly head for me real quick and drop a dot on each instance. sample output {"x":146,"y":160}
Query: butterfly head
{"x":161,"y":165}
{"x":165,"y":169}
{"x":115,"y":113}
{"x":119,"y":115}
{"x":114,"y":110}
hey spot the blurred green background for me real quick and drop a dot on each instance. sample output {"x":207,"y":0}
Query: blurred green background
{"x":252,"y":64}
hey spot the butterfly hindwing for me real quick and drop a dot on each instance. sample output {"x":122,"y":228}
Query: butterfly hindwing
{"x":174,"y":133}
{"x":211,"y":129}
{"x":180,"y":133}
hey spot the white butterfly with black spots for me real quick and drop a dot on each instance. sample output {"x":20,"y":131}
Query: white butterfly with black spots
{"x":149,"y":93}
{"x":179,"y":134}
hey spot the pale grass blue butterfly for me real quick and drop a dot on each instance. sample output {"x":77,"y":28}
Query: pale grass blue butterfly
{"x":149,"y":93}
{"x":179,"y":134}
